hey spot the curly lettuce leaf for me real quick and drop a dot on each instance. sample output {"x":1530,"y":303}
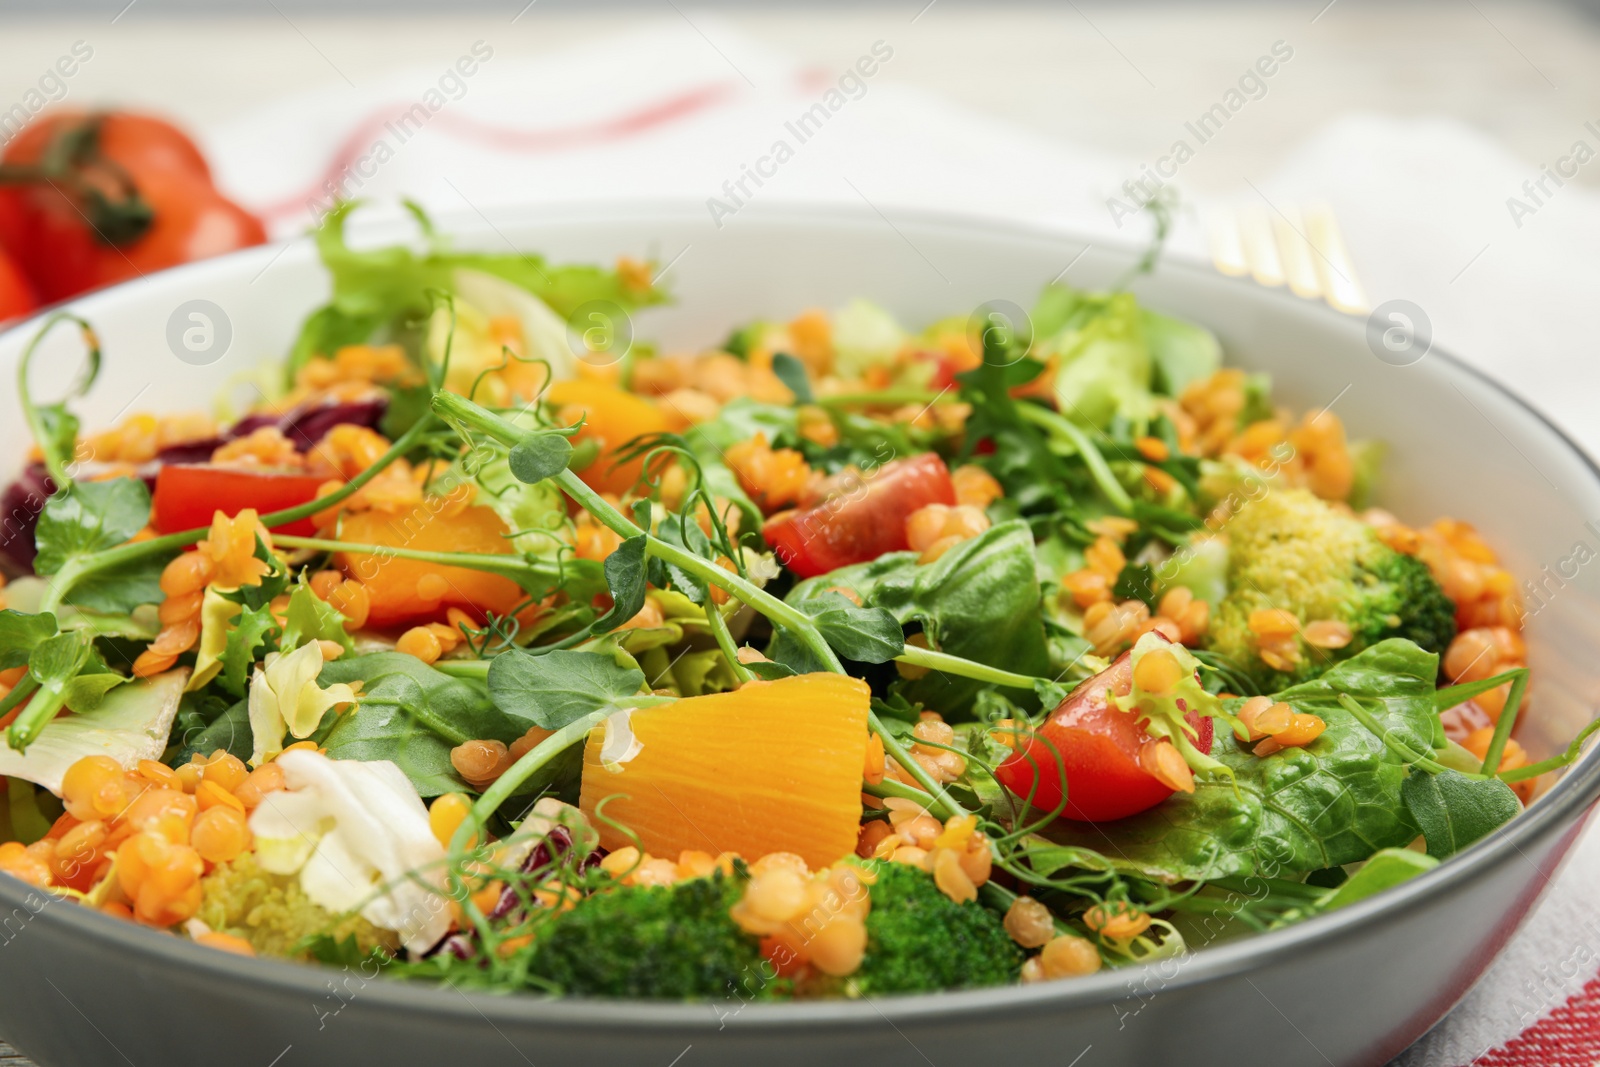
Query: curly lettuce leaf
{"x":375,"y":289}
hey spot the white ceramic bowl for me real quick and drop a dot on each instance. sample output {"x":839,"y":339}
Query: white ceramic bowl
{"x":1350,"y":988}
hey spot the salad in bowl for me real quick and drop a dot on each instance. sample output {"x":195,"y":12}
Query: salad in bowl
{"x":843,"y":657}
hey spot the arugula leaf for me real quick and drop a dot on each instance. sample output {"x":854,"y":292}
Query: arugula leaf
{"x":1335,"y":801}
{"x":20,"y":633}
{"x":792,"y":373}
{"x":250,"y":629}
{"x":272,"y":584}
{"x":560,"y":687}
{"x":1035,"y":478}
{"x":1454,"y":810}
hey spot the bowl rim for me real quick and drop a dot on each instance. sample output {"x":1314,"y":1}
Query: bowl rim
{"x":1563,"y":806}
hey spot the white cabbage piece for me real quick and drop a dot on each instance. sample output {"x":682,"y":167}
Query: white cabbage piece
{"x":358,"y":835}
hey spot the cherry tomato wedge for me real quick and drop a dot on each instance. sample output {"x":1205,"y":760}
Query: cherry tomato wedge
{"x":189,"y":494}
{"x":861,"y":518}
{"x":1099,"y":749}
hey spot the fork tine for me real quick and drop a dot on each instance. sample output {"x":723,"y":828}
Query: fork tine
{"x":1260,"y":250}
{"x":1343,"y":288}
{"x":1227,"y":246}
{"x":1298,"y":267}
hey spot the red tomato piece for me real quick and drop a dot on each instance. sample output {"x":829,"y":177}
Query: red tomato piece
{"x":43,"y":223}
{"x":16,"y":293}
{"x":189,"y":494}
{"x":860,"y":518}
{"x":1099,"y":746}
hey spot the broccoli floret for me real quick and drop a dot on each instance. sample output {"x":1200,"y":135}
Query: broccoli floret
{"x":1291,"y":550}
{"x":919,"y":940}
{"x":656,"y":942}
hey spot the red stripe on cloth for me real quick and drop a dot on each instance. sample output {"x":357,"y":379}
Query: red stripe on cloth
{"x":363,"y":137}
{"x":1568,"y":1037}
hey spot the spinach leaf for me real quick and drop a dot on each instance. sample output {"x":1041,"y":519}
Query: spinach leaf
{"x":413,"y":715}
{"x":382,"y":731}
{"x":1454,"y":810}
{"x":1386,"y":869}
{"x":980,"y":601}
{"x":229,"y":731}
{"x":558,"y":688}
{"x":862,"y":634}
{"x":1335,"y":801}
{"x":119,"y":590}
{"x":1394,"y":679}
{"x":461,"y":708}
{"x":866,"y":635}
{"x":20,"y":633}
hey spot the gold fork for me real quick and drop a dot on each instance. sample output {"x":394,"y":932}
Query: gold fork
{"x":1304,"y":250}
